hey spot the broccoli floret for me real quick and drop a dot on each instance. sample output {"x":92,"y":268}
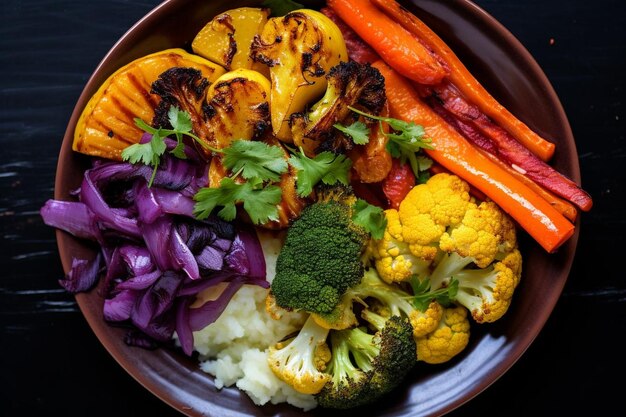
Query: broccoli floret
{"x":320,"y":260}
{"x":366,"y":365}
{"x":350,"y":84}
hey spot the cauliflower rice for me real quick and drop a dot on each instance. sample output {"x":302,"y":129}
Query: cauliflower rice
{"x":234,"y":348}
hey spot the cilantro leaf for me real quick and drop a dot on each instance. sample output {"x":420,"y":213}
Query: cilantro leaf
{"x":180,"y":120}
{"x":358,"y":131}
{"x":405,"y":139}
{"x":150,"y":153}
{"x":258,"y":201}
{"x":325,"y":166}
{"x":423,"y":295}
{"x":282,"y":7}
{"x":371,"y":218}
{"x":139,"y":152}
{"x":255,"y":159}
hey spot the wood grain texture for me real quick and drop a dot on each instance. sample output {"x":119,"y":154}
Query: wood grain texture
{"x":51,"y":362}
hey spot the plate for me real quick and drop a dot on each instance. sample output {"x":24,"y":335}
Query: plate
{"x":507,"y":70}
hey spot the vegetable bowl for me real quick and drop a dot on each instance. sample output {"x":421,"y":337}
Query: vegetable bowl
{"x":506,"y":69}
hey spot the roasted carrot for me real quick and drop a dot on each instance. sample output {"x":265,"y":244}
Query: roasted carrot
{"x":397,"y":46}
{"x":358,"y":50}
{"x":465,"y":81}
{"x":534,"y":214}
{"x":487,"y":136}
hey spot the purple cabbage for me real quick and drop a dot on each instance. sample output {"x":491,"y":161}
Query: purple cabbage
{"x":157,"y":256}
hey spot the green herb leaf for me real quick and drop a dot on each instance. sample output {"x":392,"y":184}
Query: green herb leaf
{"x":150,"y":153}
{"x":405,"y":140}
{"x":325,"y":166}
{"x":255,"y":159}
{"x":258,"y":201}
{"x":370,"y":217}
{"x":358,"y":131}
{"x":423,"y":295}
{"x":282,"y":7}
{"x":180,"y":120}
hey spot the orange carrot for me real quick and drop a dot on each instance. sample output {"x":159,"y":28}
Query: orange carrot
{"x":534,"y":214}
{"x":562,"y":206}
{"x":465,"y":81}
{"x":397,"y":46}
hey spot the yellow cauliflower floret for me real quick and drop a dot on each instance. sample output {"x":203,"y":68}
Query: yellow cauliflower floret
{"x":429,"y":209}
{"x":393,"y":258}
{"x":425,"y":322}
{"x":449,"y":338}
{"x":411,"y":239}
{"x":484,"y":232}
{"x":300,"y":361}
{"x":487,"y":293}
{"x":440,"y":234}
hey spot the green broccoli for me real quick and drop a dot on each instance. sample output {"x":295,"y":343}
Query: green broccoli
{"x":364,"y":366}
{"x":321,"y":258}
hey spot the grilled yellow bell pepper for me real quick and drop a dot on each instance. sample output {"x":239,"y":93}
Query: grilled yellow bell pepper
{"x":227,"y":38}
{"x":299,"y":48}
{"x":238,"y":104}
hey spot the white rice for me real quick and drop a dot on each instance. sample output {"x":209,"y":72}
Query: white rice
{"x":234,"y":348}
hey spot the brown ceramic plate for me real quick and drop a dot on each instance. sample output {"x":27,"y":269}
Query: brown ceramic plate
{"x":503,"y":65}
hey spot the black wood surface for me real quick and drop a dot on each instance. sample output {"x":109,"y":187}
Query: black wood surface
{"x":52,"y":364}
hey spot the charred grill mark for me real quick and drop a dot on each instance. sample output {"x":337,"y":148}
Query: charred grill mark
{"x":232,"y":51}
{"x":258,"y":47}
{"x":262,"y":124}
{"x":208,"y":111}
{"x":226,"y":20}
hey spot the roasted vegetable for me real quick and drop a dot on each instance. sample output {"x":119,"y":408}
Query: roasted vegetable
{"x":300,"y":48}
{"x":349,"y":84}
{"x":291,"y":204}
{"x":227,"y":38}
{"x":543,"y":222}
{"x":235,"y":106}
{"x":320,"y":259}
{"x":301,"y":360}
{"x":106,"y":125}
{"x":365,"y":364}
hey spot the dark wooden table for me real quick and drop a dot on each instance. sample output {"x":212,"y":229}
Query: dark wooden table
{"x":51,"y":362}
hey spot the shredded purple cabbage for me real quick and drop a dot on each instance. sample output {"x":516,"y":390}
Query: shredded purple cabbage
{"x":156,"y":255}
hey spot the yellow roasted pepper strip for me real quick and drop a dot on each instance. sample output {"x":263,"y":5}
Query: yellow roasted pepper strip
{"x":299,"y":48}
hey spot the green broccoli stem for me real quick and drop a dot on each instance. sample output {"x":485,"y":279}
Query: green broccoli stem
{"x":364,"y":348}
{"x":374,"y":319}
{"x":341,"y":367}
{"x":394,"y":298}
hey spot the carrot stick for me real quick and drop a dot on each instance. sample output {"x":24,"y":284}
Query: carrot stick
{"x":534,"y":214}
{"x":397,"y":46}
{"x":490,"y":150}
{"x":465,"y":81}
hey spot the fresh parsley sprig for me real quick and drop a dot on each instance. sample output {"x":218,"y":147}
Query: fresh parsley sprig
{"x":260,"y":166}
{"x":259,"y":200}
{"x":150,"y":153}
{"x":406,"y":139}
{"x":326,"y":167}
{"x":256,"y":167}
{"x":423,"y":295}
{"x":358,"y":131}
{"x":370,"y":217}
